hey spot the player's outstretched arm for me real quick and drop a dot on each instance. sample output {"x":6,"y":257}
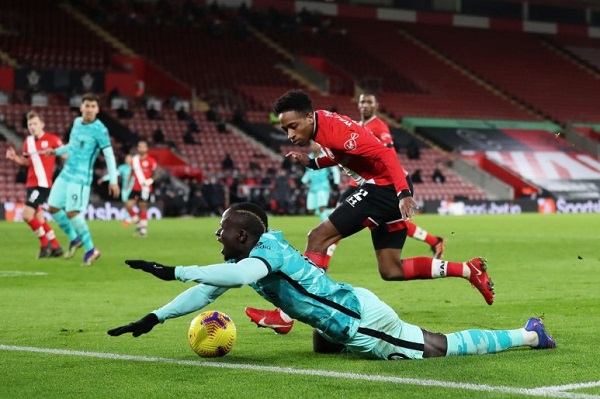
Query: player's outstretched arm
{"x":137,"y":328}
{"x":163,"y":272}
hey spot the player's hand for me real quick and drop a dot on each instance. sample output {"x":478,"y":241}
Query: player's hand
{"x":408,"y":206}
{"x":114,"y":190}
{"x":163,"y":272}
{"x":11,"y":153}
{"x":137,"y":328}
{"x":145,"y":265}
{"x":148,"y":182}
{"x":299,"y":156}
{"x":49,"y":152}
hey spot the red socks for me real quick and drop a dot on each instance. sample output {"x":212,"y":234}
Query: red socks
{"x":422,"y":267}
{"x":320,"y":260}
{"x":37,"y":228}
{"x":418,"y":233}
{"x":50,"y":235}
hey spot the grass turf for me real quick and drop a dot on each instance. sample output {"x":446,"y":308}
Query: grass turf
{"x":541,"y":264}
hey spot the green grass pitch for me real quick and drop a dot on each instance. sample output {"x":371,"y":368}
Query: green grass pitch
{"x":541,"y":264}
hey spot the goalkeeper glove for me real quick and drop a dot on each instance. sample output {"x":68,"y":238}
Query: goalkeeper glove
{"x":163,"y":272}
{"x":142,"y":326}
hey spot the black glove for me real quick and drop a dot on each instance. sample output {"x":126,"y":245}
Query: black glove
{"x":142,"y":326}
{"x":163,"y":272}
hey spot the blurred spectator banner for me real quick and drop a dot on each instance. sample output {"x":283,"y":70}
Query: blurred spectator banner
{"x":58,"y":80}
{"x":13,"y":211}
{"x":540,"y":205}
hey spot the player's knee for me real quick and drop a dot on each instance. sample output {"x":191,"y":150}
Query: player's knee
{"x":387,"y":275}
{"x":436,"y":344}
{"x":72,"y":214}
{"x":390,"y":271}
{"x":321,"y":345}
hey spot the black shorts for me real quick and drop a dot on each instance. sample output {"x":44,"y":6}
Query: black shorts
{"x":36,"y":196}
{"x":352,"y":189}
{"x":139,"y":195}
{"x":375,"y":207}
{"x":347,"y":192}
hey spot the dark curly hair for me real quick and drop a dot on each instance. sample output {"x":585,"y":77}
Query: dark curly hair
{"x":293,"y":100}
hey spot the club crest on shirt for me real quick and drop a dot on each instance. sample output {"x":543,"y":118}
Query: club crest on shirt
{"x":350,"y":144}
{"x":44,"y":144}
{"x":144,"y":163}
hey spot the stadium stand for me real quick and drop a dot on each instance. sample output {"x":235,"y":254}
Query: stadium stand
{"x":417,"y":71}
{"x":523,"y":65}
{"x":46,"y":36}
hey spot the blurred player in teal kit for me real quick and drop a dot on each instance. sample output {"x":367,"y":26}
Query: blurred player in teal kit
{"x":319,"y":185}
{"x":70,"y":194}
{"x":123,"y":171}
{"x":345,"y":318}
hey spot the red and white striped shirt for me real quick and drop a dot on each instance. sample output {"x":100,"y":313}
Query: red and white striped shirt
{"x":143,"y":169}
{"x":41,"y":167}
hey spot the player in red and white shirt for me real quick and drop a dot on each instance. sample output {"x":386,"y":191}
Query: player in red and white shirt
{"x":143,"y":167}
{"x":39,"y":181}
{"x":368,"y":105}
{"x":382,"y":203}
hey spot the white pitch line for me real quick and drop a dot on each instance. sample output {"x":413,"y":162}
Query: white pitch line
{"x":19,"y":273}
{"x":565,"y":387}
{"x":317,"y":373}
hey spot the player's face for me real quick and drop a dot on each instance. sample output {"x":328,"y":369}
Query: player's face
{"x":298,"y":127}
{"x":367,"y":105}
{"x":228,"y":234}
{"x":89,"y":111}
{"x":128,"y":160}
{"x":35,"y":126}
{"x":142,"y":148}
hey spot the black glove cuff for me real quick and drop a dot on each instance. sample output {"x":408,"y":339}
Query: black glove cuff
{"x":404,"y":193}
{"x":312,"y":164}
{"x":150,"y":319}
{"x":166,"y":273}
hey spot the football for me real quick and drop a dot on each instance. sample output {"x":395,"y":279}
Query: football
{"x":212,"y":334}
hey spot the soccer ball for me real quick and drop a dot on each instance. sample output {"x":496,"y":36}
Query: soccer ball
{"x":212,"y":334}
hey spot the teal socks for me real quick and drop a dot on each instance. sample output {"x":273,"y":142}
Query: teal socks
{"x":83,"y":231}
{"x":472,"y":342}
{"x":65,"y":224}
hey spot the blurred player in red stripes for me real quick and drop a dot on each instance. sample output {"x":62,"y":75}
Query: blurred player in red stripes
{"x":143,"y":167}
{"x":39,"y":181}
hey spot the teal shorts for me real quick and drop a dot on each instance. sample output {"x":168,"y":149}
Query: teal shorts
{"x":125,"y":194}
{"x":382,"y":334}
{"x":317,"y":199}
{"x":69,"y":196}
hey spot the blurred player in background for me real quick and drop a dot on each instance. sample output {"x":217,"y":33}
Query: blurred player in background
{"x":345,"y":318}
{"x":40,"y":169}
{"x":70,"y":194}
{"x":368,"y":105}
{"x":319,"y":185}
{"x":143,"y":169}
{"x":123,"y":171}
{"x":383,"y":203}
